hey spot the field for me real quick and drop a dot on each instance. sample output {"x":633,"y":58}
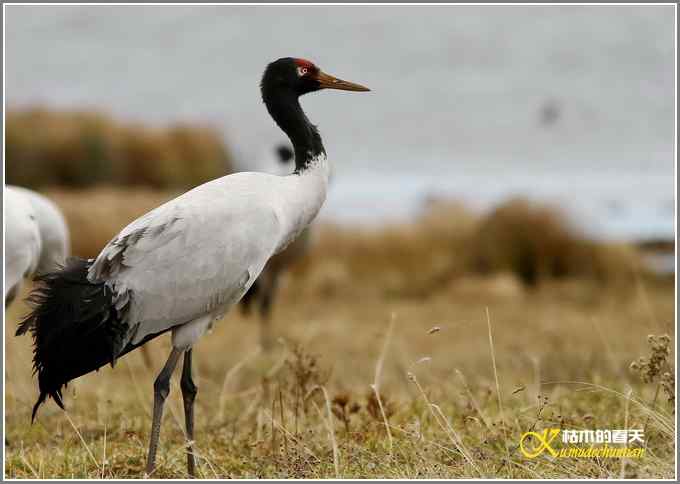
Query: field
{"x":395,"y":360}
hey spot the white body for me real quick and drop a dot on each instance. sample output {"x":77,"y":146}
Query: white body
{"x":54,"y":233}
{"x":22,"y":240}
{"x":182,"y":265}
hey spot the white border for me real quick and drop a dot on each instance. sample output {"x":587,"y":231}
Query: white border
{"x":264,"y":4}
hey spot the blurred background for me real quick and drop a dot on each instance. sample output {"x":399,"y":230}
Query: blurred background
{"x":517,"y":158}
{"x":569,"y":104}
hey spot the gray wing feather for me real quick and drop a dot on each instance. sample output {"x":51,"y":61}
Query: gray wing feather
{"x":193,"y":256}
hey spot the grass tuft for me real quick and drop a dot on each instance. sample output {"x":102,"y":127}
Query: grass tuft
{"x":83,"y":148}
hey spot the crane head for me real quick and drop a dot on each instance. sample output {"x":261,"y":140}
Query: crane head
{"x":302,"y":76}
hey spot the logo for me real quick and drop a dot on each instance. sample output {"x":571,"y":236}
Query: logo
{"x":544,"y":440}
{"x":583,"y":443}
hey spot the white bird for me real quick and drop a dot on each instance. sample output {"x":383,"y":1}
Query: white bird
{"x":181,"y":266}
{"x":36,"y":237}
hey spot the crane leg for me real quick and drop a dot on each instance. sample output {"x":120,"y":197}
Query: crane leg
{"x":161,"y":388}
{"x":189,"y":391}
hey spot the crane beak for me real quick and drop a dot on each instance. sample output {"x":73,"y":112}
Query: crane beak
{"x":326,"y":81}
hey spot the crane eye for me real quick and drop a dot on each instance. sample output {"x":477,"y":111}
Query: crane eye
{"x":301,"y":71}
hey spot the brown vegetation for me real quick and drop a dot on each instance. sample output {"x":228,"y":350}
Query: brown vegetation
{"x":561,"y":357}
{"x":536,"y":242}
{"x":82,"y":148}
{"x":530,"y":242}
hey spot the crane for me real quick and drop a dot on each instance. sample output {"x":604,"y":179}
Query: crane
{"x":181,"y":266}
{"x":36,"y":237}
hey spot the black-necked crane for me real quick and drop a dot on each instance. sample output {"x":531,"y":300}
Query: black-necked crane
{"x":181,"y":266}
{"x":36,"y":237}
{"x":263,"y":291}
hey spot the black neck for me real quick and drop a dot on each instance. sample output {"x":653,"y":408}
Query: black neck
{"x":285,"y":108}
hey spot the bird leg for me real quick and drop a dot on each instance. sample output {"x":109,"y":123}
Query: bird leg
{"x":189,"y":391}
{"x":161,"y":388}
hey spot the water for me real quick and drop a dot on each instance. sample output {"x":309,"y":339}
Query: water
{"x":573,"y":105}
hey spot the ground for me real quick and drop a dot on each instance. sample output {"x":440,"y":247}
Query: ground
{"x":461,"y":374}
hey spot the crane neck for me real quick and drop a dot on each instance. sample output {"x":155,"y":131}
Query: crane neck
{"x":284,"y":107}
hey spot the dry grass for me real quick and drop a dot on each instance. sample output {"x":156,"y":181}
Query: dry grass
{"x":450,"y":249}
{"x":536,"y":242}
{"x":385,"y":369}
{"x":84,"y":148}
{"x":562,"y":358}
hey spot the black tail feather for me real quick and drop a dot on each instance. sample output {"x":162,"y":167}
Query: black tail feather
{"x":41,"y":399}
{"x":75,"y":326}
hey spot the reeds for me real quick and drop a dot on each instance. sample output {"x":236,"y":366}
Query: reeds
{"x":533,"y":243}
{"x":536,"y":242}
{"x":85,"y":148}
